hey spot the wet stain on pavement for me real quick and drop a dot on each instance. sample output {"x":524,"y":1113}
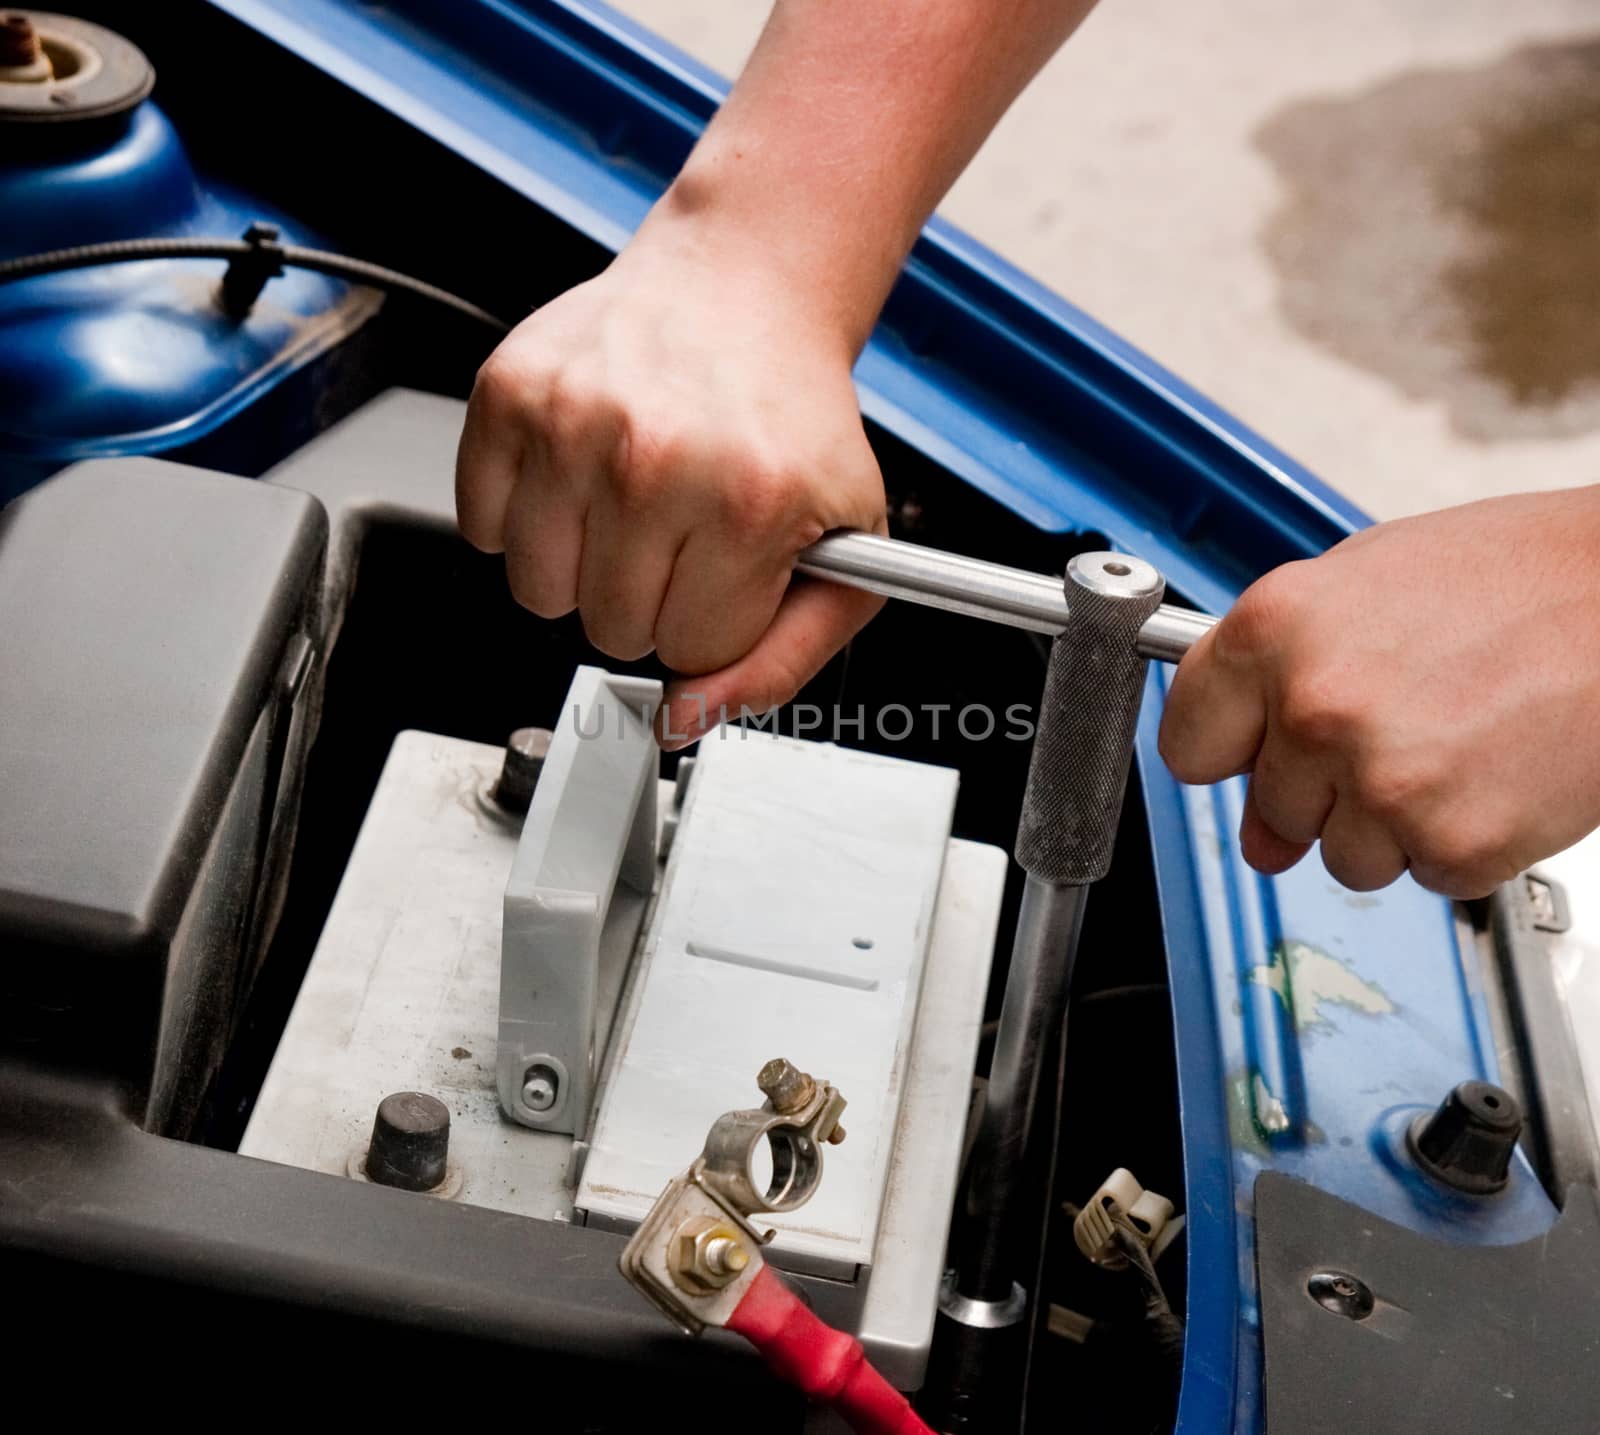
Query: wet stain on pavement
{"x":1442,"y":230}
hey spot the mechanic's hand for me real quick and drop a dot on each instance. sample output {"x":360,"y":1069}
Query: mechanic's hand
{"x":1424,"y":695}
{"x":653,"y":449}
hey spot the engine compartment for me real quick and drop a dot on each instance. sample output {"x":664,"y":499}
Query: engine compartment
{"x":424,"y":636}
{"x":129,"y":1075}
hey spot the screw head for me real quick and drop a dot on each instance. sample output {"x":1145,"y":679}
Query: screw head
{"x":540,"y":1087}
{"x":1341,"y":1293}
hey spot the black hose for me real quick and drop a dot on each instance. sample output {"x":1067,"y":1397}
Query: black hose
{"x":339,"y":266}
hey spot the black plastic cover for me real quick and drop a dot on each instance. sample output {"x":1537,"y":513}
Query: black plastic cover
{"x":157,"y":633}
{"x":1429,"y":1334}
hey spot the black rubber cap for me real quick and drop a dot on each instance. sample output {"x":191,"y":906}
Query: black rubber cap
{"x":1467,"y":1143}
{"x":410,"y":1142}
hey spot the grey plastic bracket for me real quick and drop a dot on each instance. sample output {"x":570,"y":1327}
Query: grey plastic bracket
{"x":576,"y":898}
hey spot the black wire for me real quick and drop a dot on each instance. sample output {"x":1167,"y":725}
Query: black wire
{"x":339,"y":266}
{"x":1166,"y":1329}
{"x":1132,"y":989}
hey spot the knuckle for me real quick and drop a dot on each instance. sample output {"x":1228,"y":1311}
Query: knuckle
{"x":1462,"y":856}
{"x":563,"y":412}
{"x":1393,"y":788}
{"x":644,"y":460}
{"x":1262,"y":615}
{"x":759,"y":499}
{"x":1316,"y":710}
{"x":501,"y":385}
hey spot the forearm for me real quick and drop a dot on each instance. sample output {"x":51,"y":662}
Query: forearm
{"x":847,"y":126}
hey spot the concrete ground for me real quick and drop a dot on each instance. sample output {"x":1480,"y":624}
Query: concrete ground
{"x":1371,"y":230}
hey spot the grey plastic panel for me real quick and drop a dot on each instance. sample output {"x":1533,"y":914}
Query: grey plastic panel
{"x":155,"y":639}
{"x":582,"y":877}
{"x":393,"y":457}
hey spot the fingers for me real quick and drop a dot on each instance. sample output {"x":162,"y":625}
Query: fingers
{"x":720,"y":601}
{"x":1216,"y":714}
{"x":489,"y":458}
{"x":1291,"y":789}
{"x":1264,"y":849}
{"x":1358,"y":850}
{"x":542,"y":535}
{"x":624,"y":570}
{"x":812,"y":623}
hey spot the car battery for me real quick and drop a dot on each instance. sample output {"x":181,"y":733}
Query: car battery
{"x":588,"y":987}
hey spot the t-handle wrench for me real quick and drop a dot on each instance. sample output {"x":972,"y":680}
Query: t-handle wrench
{"x":1032,"y":601}
{"x":1107,"y":619}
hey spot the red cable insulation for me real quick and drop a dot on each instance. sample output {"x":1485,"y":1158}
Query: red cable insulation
{"x":830,"y":1366}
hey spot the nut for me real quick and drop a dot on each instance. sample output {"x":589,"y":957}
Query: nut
{"x":706,"y":1255}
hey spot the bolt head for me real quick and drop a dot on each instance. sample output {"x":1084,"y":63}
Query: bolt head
{"x":539,"y":1088}
{"x":785,"y":1085}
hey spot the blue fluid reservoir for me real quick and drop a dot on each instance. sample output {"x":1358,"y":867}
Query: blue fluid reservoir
{"x":136,"y":357}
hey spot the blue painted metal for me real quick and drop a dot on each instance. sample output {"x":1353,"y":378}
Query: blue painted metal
{"x":137,"y":358}
{"x":1318,"y":1077}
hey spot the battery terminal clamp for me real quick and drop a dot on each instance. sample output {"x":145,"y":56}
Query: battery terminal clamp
{"x":697,"y":1252}
{"x":697,"y":1255}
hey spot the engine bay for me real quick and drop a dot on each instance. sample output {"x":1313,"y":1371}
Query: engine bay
{"x":371,"y":980}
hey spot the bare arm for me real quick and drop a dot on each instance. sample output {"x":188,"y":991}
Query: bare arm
{"x":847,"y":127}
{"x":654,"y":447}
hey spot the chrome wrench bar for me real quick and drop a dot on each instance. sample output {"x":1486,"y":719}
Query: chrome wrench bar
{"x":1036,"y":602}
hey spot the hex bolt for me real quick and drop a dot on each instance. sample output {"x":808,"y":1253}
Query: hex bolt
{"x":787,"y":1087}
{"x":19,"y":42}
{"x":706,"y":1255}
{"x":526,"y":750}
{"x":410,"y":1143}
{"x":540,"y":1087}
